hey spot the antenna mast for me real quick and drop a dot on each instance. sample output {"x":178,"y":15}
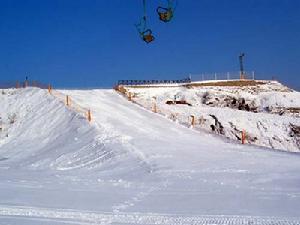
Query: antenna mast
{"x":242,"y":72}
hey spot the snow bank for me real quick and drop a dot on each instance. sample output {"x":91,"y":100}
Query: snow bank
{"x":267,"y":112}
{"x":286,"y":100}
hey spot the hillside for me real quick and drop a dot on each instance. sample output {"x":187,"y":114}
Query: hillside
{"x":131,"y":166}
{"x":267,"y":111}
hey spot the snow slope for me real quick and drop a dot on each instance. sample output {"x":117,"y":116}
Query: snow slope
{"x":131,"y":166}
{"x":266,"y":112}
{"x":46,"y":134}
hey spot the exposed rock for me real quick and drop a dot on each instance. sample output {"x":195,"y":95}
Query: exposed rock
{"x":178,"y":102}
{"x":217,"y":127}
{"x":295,"y":130}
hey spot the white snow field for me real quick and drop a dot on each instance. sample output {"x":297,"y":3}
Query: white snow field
{"x":132,"y":166}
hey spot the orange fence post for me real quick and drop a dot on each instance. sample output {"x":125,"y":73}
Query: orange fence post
{"x":89,"y":116}
{"x":17,"y":85}
{"x":49,"y":88}
{"x":193,"y":120}
{"x":243,"y":137}
{"x":129,"y":96}
{"x":154,"y":107}
{"x":67,"y":100}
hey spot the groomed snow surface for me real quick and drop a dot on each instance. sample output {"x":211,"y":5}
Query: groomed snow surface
{"x":132,"y":166}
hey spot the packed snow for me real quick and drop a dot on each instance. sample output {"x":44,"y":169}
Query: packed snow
{"x":132,"y":166}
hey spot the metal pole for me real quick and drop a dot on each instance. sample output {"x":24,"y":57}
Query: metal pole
{"x":242,"y":55}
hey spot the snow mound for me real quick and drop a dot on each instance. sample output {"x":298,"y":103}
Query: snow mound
{"x":39,"y":131}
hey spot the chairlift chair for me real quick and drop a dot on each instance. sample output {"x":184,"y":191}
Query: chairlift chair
{"x":166,"y":13}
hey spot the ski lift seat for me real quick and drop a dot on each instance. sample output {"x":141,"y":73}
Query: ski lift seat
{"x":147,"y":36}
{"x":165,"y":14}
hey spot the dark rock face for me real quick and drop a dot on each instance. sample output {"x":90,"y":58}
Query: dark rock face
{"x":229,"y":101}
{"x":217,"y":127}
{"x":205,"y":98}
{"x":295,"y":133}
{"x":178,"y":102}
{"x":295,"y":130}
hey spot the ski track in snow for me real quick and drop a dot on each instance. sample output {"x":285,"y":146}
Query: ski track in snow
{"x":86,"y":217}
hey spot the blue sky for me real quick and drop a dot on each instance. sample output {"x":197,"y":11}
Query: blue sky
{"x":93,"y":43}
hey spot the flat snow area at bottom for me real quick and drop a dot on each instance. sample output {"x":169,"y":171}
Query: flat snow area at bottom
{"x":140,"y":168}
